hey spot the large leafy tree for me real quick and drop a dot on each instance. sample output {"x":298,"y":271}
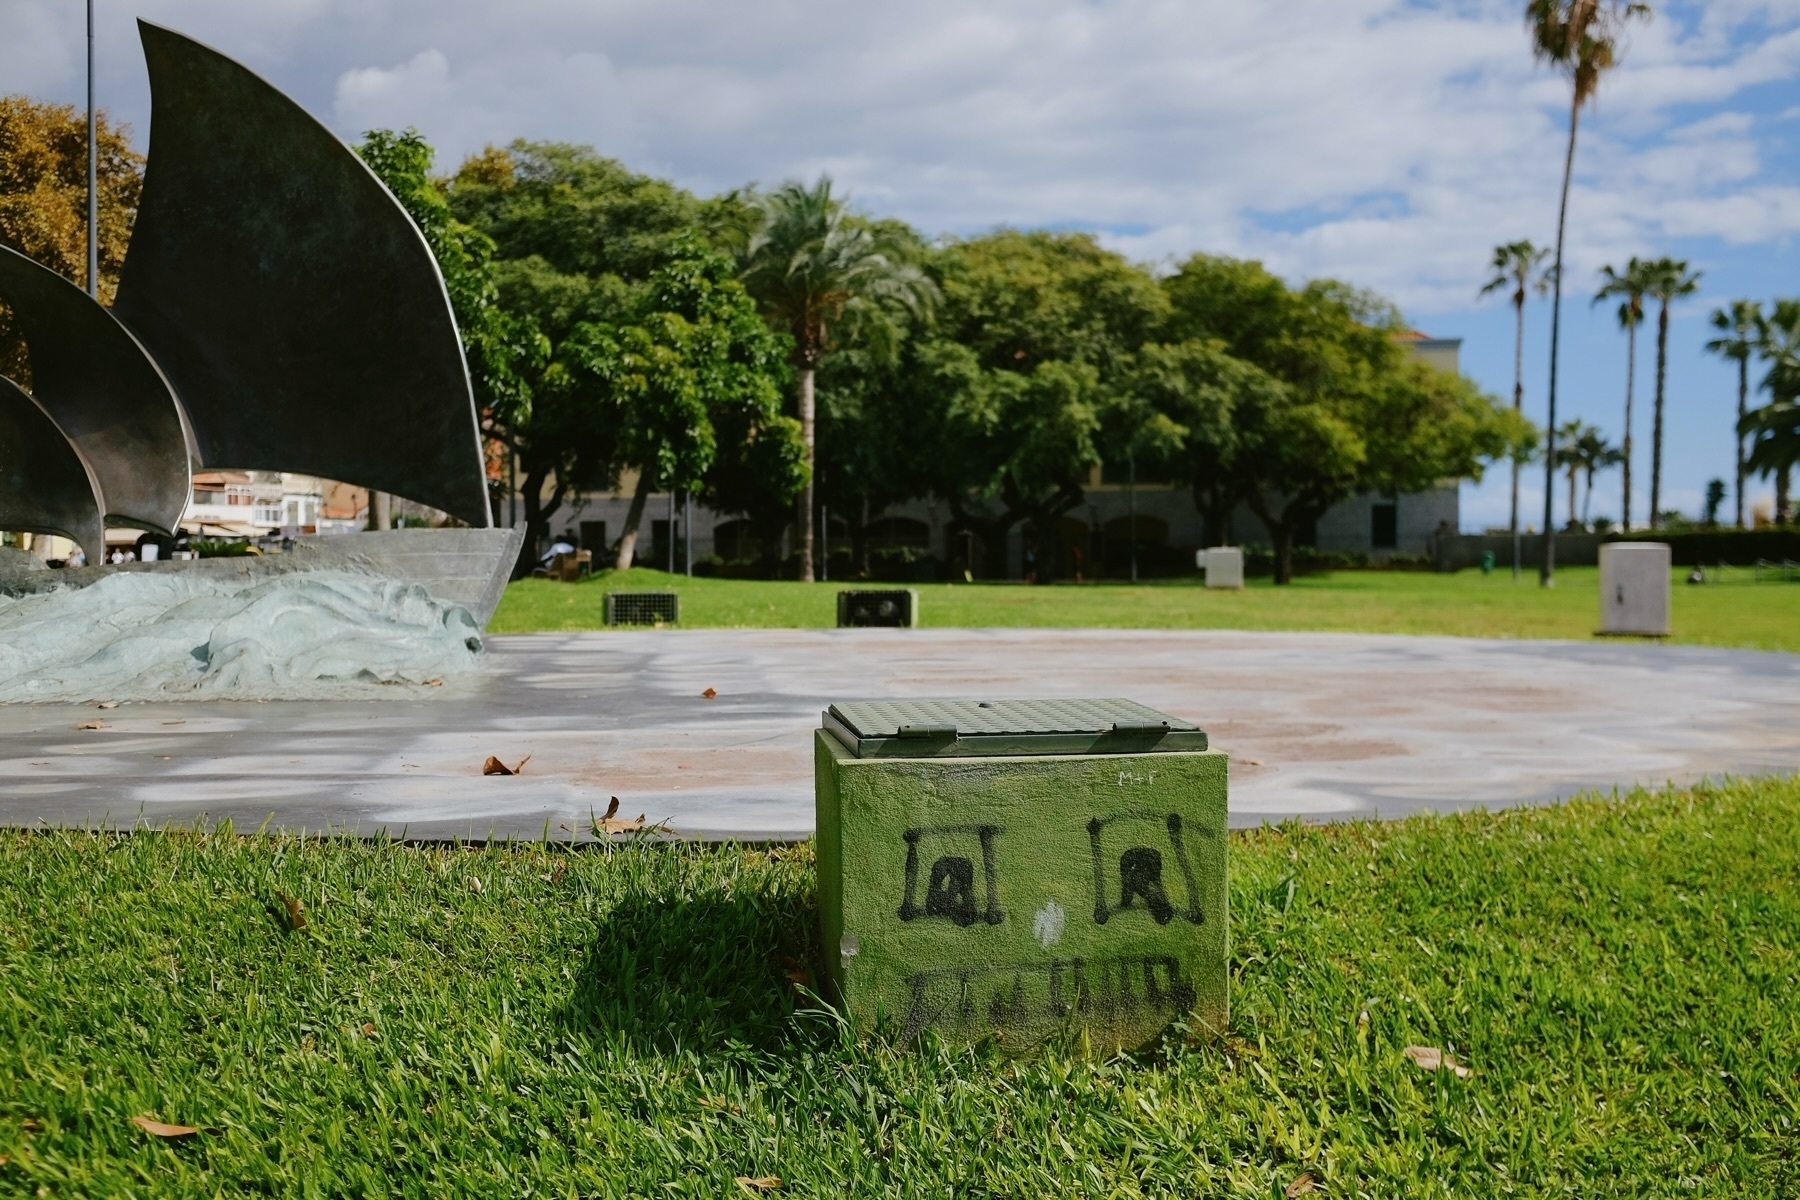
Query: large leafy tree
{"x":1340,"y":407}
{"x":812,"y":264}
{"x":1037,"y":339}
{"x":1629,"y":287}
{"x":1665,"y":281}
{"x":1579,"y":38}
{"x":576,"y":240}
{"x":1738,"y":327}
{"x":1518,"y":267}
{"x":43,"y":200}
{"x":692,"y":355}
{"x":1195,"y":388}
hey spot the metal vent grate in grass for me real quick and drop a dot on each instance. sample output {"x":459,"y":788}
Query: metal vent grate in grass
{"x":643,"y":608}
{"x":895,"y":607}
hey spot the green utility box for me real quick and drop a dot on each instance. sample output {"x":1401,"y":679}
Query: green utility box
{"x":1023,"y":869}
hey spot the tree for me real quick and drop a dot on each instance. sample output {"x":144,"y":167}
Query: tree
{"x":576,"y":239}
{"x":1032,"y":357}
{"x":810,"y":264}
{"x":1629,"y":285}
{"x":1715,"y":499}
{"x":1518,"y":265}
{"x":695,"y":354}
{"x":1196,"y":388}
{"x":1581,"y":448}
{"x":43,"y":200}
{"x":1666,"y":280}
{"x":1350,"y":411}
{"x":1736,"y":342}
{"x":1579,"y":38}
{"x":1774,"y":428}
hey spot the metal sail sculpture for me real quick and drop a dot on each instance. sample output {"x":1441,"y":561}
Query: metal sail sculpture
{"x":289,"y":299}
{"x":105,"y":394}
{"x":45,"y":486}
{"x":278,"y":310}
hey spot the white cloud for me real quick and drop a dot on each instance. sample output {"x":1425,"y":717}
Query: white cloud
{"x":367,"y":95}
{"x":1382,"y":140}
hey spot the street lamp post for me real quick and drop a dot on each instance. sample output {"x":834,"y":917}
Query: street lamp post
{"x":93,"y":169}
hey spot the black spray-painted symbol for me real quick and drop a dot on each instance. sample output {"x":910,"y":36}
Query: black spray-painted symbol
{"x":1140,"y":872}
{"x":950,"y":885}
{"x":1022,"y":996}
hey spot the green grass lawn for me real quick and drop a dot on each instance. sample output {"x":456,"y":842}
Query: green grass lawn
{"x":1735,"y":612}
{"x":530,"y":1021}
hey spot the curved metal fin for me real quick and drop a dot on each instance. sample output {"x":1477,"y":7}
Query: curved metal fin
{"x":104,"y":392}
{"x":45,"y":487}
{"x":288,"y":297}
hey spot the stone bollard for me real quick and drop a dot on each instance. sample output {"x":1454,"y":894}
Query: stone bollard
{"x":1634,"y":588}
{"x":1024,"y":870}
{"x":1224,"y":567}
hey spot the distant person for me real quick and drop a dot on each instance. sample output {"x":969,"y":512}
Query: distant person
{"x":560,"y":546}
{"x":77,"y":557}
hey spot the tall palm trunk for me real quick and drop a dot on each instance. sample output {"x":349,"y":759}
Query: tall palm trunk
{"x":1656,"y":425}
{"x":807,"y":412}
{"x":634,"y":517}
{"x":1738,"y":438}
{"x":1630,"y":378}
{"x":1547,"y":569}
{"x":1572,"y":469}
{"x":1518,"y":407}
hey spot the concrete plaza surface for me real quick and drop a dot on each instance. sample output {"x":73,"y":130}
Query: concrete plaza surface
{"x":1321,"y":726}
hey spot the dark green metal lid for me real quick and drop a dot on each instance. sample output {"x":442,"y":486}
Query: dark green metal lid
{"x":968,"y":728}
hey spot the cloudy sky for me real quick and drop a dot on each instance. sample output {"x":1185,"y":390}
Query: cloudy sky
{"x":1386,"y":143}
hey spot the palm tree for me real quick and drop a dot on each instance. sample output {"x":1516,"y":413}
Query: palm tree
{"x":1666,"y":279}
{"x":1774,"y":429}
{"x":1596,"y":455}
{"x":1514,"y":265}
{"x":1579,"y":38}
{"x":1738,"y":327}
{"x":811,"y":264}
{"x":1582,"y":448}
{"x":1629,"y":285}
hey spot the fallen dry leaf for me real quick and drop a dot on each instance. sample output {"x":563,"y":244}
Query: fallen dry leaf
{"x":493,"y":766}
{"x":150,"y":1125}
{"x":759,"y":1183}
{"x":434,"y":683}
{"x":368,"y":1029}
{"x":612,"y":823}
{"x":296,"y":915}
{"x":107,"y":704}
{"x":4,"y":1159}
{"x":1303,"y":1183}
{"x":1430,"y":1058}
{"x":709,"y":693}
{"x":92,"y":725}
{"x":31,"y":1125}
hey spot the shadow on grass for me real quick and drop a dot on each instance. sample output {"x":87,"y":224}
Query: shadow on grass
{"x":697,"y":972}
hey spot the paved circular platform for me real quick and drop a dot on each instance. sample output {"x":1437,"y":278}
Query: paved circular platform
{"x":1321,"y":726}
